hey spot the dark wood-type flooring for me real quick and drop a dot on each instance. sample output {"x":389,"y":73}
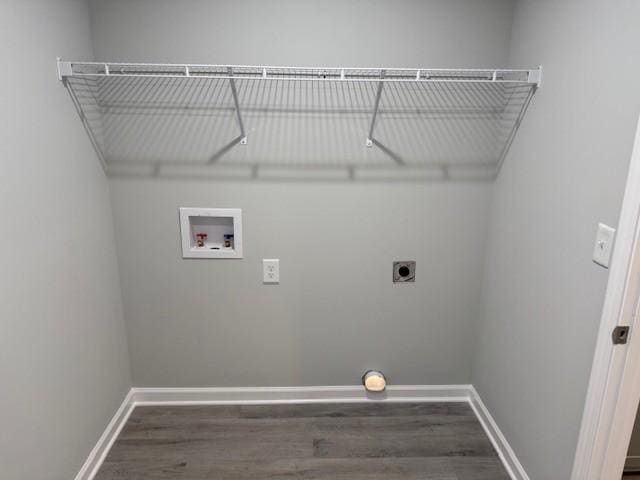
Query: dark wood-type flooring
{"x":356,"y":441}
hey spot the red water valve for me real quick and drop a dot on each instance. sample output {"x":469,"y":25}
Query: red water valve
{"x":200,"y":239}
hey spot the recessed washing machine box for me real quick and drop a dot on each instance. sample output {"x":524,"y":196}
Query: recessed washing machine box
{"x":211,"y":232}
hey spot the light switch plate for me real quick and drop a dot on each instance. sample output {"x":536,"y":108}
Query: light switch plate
{"x":604,"y":245}
{"x":271,"y":270}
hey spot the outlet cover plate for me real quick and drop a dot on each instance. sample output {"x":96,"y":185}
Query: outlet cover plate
{"x":270,"y":270}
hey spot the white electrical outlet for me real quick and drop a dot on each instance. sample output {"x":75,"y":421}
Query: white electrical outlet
{"x":271,"y":270}
{"x":604,"y":245}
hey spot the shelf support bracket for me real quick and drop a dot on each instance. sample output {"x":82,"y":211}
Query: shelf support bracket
{"x":85,"y":123}
{"x":234,"y":93}
{"x":64,"y":69}
{"x":535,"y":76}
{"x":369,"y":141}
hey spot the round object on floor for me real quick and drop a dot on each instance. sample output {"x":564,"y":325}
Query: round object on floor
{"x":374,"y":381}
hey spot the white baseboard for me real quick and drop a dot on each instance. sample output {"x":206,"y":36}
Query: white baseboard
{"x":106,"y":440}
{"x":269,"y":395}
{"x":290,"y":395}
{"x":506,"y":453}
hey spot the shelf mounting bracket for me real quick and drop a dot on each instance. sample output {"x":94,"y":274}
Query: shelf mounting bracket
{"x":234,"y":93}
{"x":535,"y":76}
{"x":64,"y":69}
{"x":369,"y":141}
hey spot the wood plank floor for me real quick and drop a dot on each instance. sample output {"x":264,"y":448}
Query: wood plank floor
{"x":357,"y":441}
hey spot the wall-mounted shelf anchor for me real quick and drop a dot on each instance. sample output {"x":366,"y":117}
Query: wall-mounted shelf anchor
{"x":535,"y":76}
{"x":64,"y":69}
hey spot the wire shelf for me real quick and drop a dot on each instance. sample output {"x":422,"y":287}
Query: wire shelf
{"x":215,"y":119}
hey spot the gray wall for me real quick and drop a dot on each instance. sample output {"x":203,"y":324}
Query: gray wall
{"x":63,"y":355}
{"x":542,"y":295}
{"x":336,"y":312}
{"x":367,"y":33}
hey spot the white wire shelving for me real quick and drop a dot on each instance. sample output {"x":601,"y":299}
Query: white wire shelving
{"x":189,"y":119}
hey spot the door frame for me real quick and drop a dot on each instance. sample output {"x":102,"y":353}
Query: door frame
{"x":614,"y":386}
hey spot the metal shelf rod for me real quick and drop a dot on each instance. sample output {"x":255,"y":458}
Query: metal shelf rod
{"x":367,"y":80}
{"x":234,"y":93}
{"x":203,"y":65}
{"x":369,"y":141}
{"x":418,"y":75}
